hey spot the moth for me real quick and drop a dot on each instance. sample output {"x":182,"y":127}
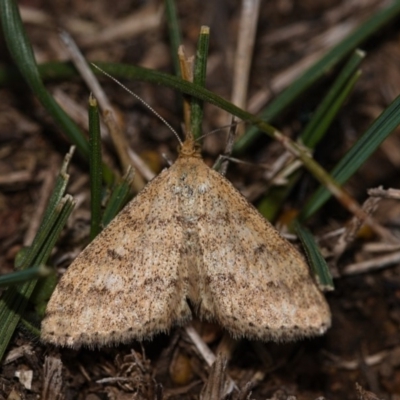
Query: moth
{"x":189,"y":242}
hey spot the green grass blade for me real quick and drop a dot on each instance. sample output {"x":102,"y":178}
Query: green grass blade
{"x":270,"y":205}
{"x":316,"y":261}
{"x":22,"y":54}
{"x":49,"y":216}
{"x":174,"y":31}
{"x":95,"y":168}
{"x":12,"y":305}
{"x":15,"y":298}
{"x":42,"y":293}
{"x":60,"y":185}
{"x":29,"y":274}
{"x":380,"y":129}
{"x":320,"y":68}
{"x":199,"y":78}
{"x":63,"y":211}
{"x":118,"y":198}
{"x":333,"y":101}
{"x":122,"y":71}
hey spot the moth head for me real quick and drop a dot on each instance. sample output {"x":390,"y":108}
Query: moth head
{"x":189,"y":148}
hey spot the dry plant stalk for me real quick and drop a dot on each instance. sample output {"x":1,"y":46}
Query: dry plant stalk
{"x":188,"y":235}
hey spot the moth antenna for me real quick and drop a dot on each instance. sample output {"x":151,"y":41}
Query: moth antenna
{"x":233,"y":124}
{"x":141,"y":100}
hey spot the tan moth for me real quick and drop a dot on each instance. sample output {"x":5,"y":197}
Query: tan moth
{"x":188,"y":237}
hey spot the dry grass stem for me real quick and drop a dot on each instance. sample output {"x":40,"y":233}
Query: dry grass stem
{"x":244,"y":51}
{"x":15,"y":178}
{"x":372,"y":264}
{"x":44,"y":195}
{"x":386,"y":194}
{"x":53,"y":379}
{"x":282,"y":80}
{"x":110,"y":118}
{"x":149,"y":18}
{"x":351,"y":365}
{"x":186,"y":67}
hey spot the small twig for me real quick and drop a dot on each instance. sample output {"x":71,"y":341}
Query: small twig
{"x":114,"y":379}
{"x":208,"y":356}
{"x":351,"y":229}
{"x":16,"y":177}
{"x":372,"y":264}
{"x":282,"y":80}
{"x":141,"y":166}
{"x":203,"y":349}
{"x":379,"y":247}
{"x":52,"y":378}
{"x":228,"y":148}
{"x":386,"y":194}
{"x":331,"y":234}
{"x":218,"y":385}
{"x":244,"y":52}
{"x":44,"y":195}
{"x":282,"y":168}
{"x":118,"y":138}
{"x":350,"y":365}
{"x":18,"y":352}
{"x":144,"y":20}
{"x":88,"y":76}
{"x":186,"y":66}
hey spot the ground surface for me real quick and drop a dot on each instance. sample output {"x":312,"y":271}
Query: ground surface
{"x":363,"y":345}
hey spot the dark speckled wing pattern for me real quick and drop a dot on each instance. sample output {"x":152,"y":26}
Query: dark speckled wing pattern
{"x":189,"y":235}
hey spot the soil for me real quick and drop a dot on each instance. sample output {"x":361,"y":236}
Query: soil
{"x":359,"y":356}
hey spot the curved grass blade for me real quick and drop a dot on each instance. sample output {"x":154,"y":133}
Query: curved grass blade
{"x":22,"y":54}
{"x":320,"y":68}
{"x":380,"y":129}
{"x":327,"y":110}
{"x":270,"y":205}
{"x":316,"y":261}
{"x":122,"y":71}
{"x":295,"y":148}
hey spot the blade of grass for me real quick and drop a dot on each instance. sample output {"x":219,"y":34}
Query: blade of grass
{"x":63,"y":209}
{"x":49,"y":216}
{"x":320,"y":68}
{"x":43,"y":292}
{"x":22,"y":54}
{"x":199,"y":78}
{"x":14,"y":278}
{"x":315,"y":130}
{"x":95,"y":168}
{"x":174,"y":31}
{"x":295,"y":148}
{"x":124,"y":71}
{"x":316,"y":261}
{"x":357,"y":155}
{"x":323,"y":116}
{"x":118,"y":198}
{"x":15,"y":298}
